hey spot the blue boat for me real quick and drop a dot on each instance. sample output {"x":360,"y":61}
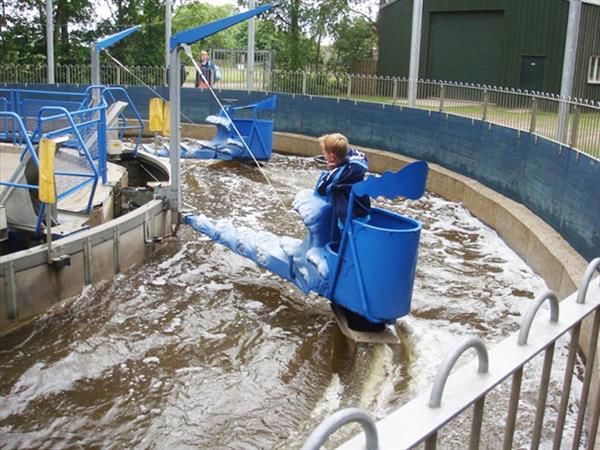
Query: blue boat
{"x":244,"y":138}
{"x":366,"y":268}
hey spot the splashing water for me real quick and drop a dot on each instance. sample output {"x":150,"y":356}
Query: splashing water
{"x":200,"y":348}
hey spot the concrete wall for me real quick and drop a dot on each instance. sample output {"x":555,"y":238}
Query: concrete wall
{"x":30,"y":286}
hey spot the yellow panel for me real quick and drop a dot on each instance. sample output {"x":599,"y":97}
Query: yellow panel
{"x":166,"y":125}
{"x":47,"y":192}
{"x":156,"y":115}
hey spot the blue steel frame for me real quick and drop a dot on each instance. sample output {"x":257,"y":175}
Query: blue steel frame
{"x":108,"y":92}
{"x":75,"y":129}
{"x":23,"y":136}
{"x":14,"y":113}
{"x":19,"y":99}
{"x":203,"y":31}
{"x":114,"y":38}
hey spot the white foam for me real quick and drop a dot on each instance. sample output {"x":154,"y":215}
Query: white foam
{"x":151,"y":360}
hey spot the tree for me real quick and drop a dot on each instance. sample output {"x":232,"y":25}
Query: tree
{"x":303,"y":25}
{"x":23,"y":30}
{"x":146,"y":46}
{"x":197,"y":13}
{"x":354,"y":40}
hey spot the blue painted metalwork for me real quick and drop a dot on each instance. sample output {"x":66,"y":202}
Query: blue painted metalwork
{"x":19,"y":185}
{"x":22,"y":131}
{"x":371,"y":271}
{"x":96,"y":172}
{"x":78,"y":123}
{"x":256,"y":133}
{"x":114,"y":38}
{"x":27,"y":102}
{"x":203,"y":31}
{"x":109,"y":97}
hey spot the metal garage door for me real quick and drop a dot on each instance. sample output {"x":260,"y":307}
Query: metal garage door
{"x":465,"y":46}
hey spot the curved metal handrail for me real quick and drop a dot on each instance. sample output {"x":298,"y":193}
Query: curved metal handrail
{"x":443,"y":372}
{"x":23,"y":134}
{"x":109,"y":90}
{"x":587,"y":279}
{"x":69,"y":117}
{"x":532,"y":311}
{"x":320,"y":434}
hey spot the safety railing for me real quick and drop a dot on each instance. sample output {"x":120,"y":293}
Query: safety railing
{"x":533,"y":112}
{"x":110,"y":95}
{"x":27,"y":102}
{"x":424,"y":419}
{"x":80,"y":124}
{"x":83,"y":130}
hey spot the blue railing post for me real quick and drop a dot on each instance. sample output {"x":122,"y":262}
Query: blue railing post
{"x":102,"y":145}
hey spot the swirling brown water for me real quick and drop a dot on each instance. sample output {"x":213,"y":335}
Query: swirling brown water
{"x":200,"y":348}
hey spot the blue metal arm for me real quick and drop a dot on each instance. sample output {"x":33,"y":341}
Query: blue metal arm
{"x":203,"y":31}
{"x":114,"y":38}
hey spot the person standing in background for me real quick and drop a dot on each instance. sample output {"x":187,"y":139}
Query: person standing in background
{"x":208,"y":70}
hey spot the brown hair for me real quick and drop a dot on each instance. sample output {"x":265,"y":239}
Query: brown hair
{"x":335,"y":143}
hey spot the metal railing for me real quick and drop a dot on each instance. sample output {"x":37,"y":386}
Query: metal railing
{"x":533,"y":112}
{"x":111,"y":94}
{"x":29,"y":115}
{"x":421,"y":420}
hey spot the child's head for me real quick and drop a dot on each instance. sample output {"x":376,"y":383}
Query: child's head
{"x":334,"y":147}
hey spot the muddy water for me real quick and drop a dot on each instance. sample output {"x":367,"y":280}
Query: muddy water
{"x":201,"y":349}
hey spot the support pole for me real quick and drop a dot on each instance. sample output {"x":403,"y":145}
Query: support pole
{"x":50,"y":40}
{"x":167,"y":31}
{"x":174,"y":196}
{"x":49,"y":231}
{"x":415,"y":49}
{"x":95,"y":74}
{"x":568,"y":72}
{"x":250,"y":58}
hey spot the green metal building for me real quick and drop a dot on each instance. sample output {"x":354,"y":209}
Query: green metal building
{"x":508,"y":43}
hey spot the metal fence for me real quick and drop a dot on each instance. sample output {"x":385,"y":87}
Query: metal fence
{"x":480,"y":385}
{"x":527,"y":111}
{"x":236,"y":58}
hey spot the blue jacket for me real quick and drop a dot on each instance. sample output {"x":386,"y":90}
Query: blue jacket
{"x":208,"y":70}
{"x":337,"y":182}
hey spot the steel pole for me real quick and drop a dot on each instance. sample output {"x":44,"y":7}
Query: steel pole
{"x":175,"y":139}
{"x":50,"y":40}
{"x":250,"y":56}
{"x":568,"y":71}
{"x":415,"y":49}
{"x":95,"y":74}
{"x":49,"y":231}
{"x":167,"y":31}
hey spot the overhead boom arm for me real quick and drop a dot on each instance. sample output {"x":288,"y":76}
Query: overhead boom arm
{"x":203,"y":31}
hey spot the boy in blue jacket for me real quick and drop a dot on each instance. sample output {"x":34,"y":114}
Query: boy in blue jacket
{"x":346,"y":166}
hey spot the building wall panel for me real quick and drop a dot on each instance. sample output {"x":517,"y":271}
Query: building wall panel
{"x":530,"y":28}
